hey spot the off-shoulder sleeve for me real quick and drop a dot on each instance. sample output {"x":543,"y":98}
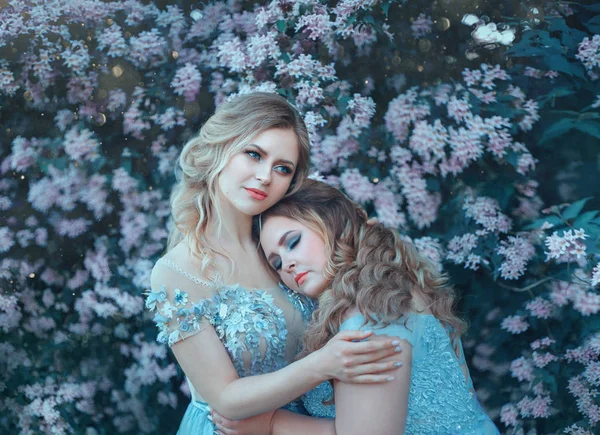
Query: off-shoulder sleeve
{"x":180,"y":307}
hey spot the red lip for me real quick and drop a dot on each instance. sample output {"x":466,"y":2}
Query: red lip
{"x":256,"y":193}
{"x":300,"y":277}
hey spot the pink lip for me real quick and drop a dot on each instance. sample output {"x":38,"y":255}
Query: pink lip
{"x":257,"y":194}
{"x":300,"y":278}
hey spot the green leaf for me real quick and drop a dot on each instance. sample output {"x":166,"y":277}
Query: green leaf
{"x":554,"y":220}
{"x":585,"y":219}
{"x":593,"y":24}
{"x":557,"y":130}
{"x":589,"y":127}
{"x":558,"y":63}
{"x":281,"y":25}
{"x":574,"y":209}
{"x":385,"y":6}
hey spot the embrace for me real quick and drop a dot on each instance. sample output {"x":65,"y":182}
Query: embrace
{"x":290,"y":313}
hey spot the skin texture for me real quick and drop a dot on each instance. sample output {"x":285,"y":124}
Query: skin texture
{"x":293,"y":249}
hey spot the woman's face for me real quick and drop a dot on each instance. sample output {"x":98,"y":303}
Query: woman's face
{"x":260,"y":175}
{"x":296,"y":253}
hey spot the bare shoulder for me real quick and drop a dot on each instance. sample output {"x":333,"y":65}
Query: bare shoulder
{"x":179,"y":269}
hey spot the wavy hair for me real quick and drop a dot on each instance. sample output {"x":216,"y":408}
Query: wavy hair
{"x":370,"y":268}
{"x":194,"y":199}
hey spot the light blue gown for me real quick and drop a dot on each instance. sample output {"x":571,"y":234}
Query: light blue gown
{"x":441,"y":398}
{"x":260,"y":329}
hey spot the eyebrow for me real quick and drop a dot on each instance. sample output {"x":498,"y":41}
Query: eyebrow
{"x":279,"y":243}
{"x":262,"y":150}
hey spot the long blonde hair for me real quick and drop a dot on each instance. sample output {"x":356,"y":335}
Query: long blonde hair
{"x":194,"y":199}
{"x":370,"y":268}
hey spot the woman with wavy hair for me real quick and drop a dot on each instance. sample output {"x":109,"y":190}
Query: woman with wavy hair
{"x":366,"y":277}
{"x":232,"y":327}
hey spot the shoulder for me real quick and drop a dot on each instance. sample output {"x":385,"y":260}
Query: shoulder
{"x":406,"y":327}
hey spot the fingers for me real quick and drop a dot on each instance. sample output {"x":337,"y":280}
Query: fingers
{"x":372,"y":379}
{"x":379,"y":368}
{"x":350,"y":335}
{"x":387,"y":344}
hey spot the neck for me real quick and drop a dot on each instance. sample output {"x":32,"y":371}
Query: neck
{"x":235,"y":227}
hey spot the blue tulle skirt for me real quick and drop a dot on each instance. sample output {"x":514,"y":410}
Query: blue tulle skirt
{"x":196,"y":420}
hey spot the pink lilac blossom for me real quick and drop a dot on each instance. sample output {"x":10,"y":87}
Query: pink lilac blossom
{"x":7,"y":240}
{"x":81,"y":88}
{"x":72,"y":228}
{"x":404,"y":110}
{"x":387,"y":206}
{"x":357,"y":186}
{"x":486,"y":212}
{"x":541,"y":360}
{"x":24,"y":153}
{"x":315,"y":25}
{"x":585,"y":399}
{"x":566,"y":248}
{"x":588,"y":52}
{"x":117,"y":99}
{"x":431,"y":249}
{"x":428,"y":141}
{"x":169,"y":119}
{"x":531,"y":108}
{"x":422,"y":205}
{"x":509,"y":415}
{"x":596,"y":275}
{"x":592,"y":373}
{"x":231,"y":55}
{"x":96,"y":262}
{"x":8,"y":84}
{"x":76,"y":57}
{"x":587,"y":303}
{"x":263,"y":47}
{"x":421,"y":26}
{"x":540,"y":308}
{"x":542,"y":343}
{"x":363,"y":109}
{"x":517,"y":252}
{"x":514,"y":324}
{"x":521,"y":369}
{"x":148,"y":49}
{"x":459,"y":249}
{"x":112,"y":39}
{"x":537,"y":407}
{"x":63,"y":119}
{"x":187,"y":82}
{"x":576,"y":430}
{"x":80,"y":145}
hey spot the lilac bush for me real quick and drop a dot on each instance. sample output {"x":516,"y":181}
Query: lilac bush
{"x":448,"y":125}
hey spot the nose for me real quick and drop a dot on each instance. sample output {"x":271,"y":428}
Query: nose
{"x":263,"y":174}
{"x":289,"y":265}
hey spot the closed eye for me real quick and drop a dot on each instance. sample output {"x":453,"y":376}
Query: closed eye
{"x":276,"y":264}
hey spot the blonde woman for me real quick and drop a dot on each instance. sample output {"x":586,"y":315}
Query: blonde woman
{"x":364,"y":276}
{"x":231,"y":326}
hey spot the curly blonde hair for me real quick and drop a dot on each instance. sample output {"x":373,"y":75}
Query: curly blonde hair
{"x":370,"y":268}
{"x":194,"y":199}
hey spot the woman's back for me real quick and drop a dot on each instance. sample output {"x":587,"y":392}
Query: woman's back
{"x":441,"y":398}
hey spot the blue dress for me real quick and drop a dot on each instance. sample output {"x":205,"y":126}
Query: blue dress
{"x":441,"y":398}
{"x":260,"y":329}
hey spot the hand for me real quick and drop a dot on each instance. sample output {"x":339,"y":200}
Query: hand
{"x":259,"y":425}
{"x":359,"y":362}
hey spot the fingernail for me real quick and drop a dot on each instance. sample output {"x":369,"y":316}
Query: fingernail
{"x":395,"y":342}
{"x":398,"y":349}
{"x":391,"y":378}
{"x":398,"y":364}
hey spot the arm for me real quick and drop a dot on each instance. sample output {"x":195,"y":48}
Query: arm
{"x":378,"y":409}
{"x":208,"y":366}
{"x":383,"y":407}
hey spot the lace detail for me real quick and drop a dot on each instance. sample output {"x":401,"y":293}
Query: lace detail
{"x":313,"y":401}
{"x":441,"y":400}
{"x":193,"y":278}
